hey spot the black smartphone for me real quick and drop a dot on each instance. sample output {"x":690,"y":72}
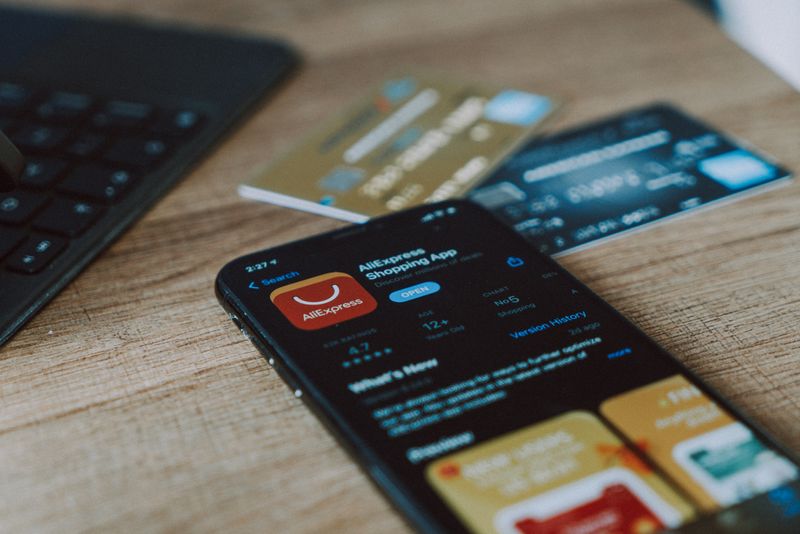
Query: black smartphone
{"x":485,"y":389}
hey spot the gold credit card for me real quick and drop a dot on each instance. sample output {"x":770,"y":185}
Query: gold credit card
{"x":412,"y":139}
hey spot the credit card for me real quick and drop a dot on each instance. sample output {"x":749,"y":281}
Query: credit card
{"x":571,"y":190}
{"x":412,"y":139}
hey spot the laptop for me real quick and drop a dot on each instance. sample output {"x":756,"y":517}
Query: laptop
{"x":108,"y":114}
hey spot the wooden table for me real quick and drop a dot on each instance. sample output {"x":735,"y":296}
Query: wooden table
{"x":132,"y":404}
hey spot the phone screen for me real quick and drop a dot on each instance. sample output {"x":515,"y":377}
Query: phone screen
{"x":486,"y":390}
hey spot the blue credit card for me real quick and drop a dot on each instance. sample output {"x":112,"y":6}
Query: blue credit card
{"x":573,"y":189}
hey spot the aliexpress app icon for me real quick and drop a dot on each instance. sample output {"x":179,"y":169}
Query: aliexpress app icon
{"x":323,"y":301}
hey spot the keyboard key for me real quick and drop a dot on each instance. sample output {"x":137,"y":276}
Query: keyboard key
{"x":121,"y":114}
{"x":39,"y":137}
{"x":106,"y":184}
{"x":177,"y":123}
{"x":13,"y":98}
{"x":19,"y":206}
{"x":64,"y":107}
{"x":40,"y":173}
{"x":87,"y":145}
{"x":136,"y":152}
{"x":9,"y":239}
{"x":36,"y":253}
{"x":67,"y":217}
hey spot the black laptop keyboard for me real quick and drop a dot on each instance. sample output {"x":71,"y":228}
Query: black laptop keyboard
{"x":84,"y":154}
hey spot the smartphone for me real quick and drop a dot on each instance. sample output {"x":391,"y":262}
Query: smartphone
{"x":485,"y":389}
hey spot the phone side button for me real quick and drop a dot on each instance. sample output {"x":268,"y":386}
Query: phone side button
{"x":233,"y":317}
{"x":284,"y":374}
{"x":268,"y":351}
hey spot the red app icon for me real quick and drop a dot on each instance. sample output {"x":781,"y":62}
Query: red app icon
{"x":323,"y":300}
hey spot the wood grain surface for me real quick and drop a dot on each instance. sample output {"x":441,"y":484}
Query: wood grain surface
{"x":132,"y":404}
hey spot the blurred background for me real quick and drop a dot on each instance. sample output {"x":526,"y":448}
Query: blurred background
{"x":768,"y":29}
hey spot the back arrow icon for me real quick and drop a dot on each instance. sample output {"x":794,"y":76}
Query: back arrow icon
{"x":253,"y":286}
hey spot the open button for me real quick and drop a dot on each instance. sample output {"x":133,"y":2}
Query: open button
{"x":414,"y":292}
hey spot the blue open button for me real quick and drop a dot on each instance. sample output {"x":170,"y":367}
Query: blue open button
{"x":414,"y":292}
